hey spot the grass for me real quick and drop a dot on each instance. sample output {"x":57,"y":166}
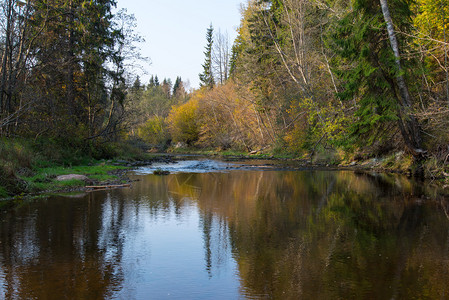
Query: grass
{"x":43,"y":179}
{"x":398,"y":162}
{"x":28,"y":165}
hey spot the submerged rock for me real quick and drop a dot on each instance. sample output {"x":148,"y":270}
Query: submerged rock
{"x":161,"y":172}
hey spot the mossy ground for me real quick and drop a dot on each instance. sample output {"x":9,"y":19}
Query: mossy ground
{"x":44,"y":178}
{"x":30,"y":166}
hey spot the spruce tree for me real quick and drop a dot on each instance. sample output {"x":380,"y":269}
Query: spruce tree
{"x":156,"y":81}
{"x":362,"y":44}
{"x":207,"y":78}
{"x":176,"y":85}
{"x":137,"y":85}
{"x":151,"y":84}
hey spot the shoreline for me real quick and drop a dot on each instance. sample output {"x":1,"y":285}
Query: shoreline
{"x":117,"y":175}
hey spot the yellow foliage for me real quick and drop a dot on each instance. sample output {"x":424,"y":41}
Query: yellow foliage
{"x":432,"y":18}
{"x":153,"y":131}
{"x":315,"y":122}
{"x":183,"y":121}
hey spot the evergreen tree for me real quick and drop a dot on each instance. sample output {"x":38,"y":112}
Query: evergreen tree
{"x":137,"y":84}
{"x":207,"y":78}
{"x":177,"y":85}
{"x":362,"y":44}
{"x":151,"y":83}
{"x":74,"y":41}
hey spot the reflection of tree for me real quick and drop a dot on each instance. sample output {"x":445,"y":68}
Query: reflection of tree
{"x":294,"y":235}
{"x":325,"y":235}
{"x":206,"y":221}
{"x":62,"y":255}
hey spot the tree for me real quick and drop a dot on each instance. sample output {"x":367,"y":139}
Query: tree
{"x":432,"y":26}
{"x":221,"y":57}
{"x":179,"y":91}
{"x":371,"y":78}
{"x":409,"y":126}
{"x":184,"y":122}
{"x":167,"y":87}
{"x":207,"y":77}
{"x":177,"y":85}
{"x":137,"y":84}
{"x":16,"y":40}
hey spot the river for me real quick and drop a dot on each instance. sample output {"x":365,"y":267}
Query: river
{"x":241,"y":230}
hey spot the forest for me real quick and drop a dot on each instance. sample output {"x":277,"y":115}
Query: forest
{"x":323,"y":80}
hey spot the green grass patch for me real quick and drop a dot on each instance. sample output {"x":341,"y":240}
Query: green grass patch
{"x":44,"y":178}
{"x":398,"y":161}
{"x":70,"y":183}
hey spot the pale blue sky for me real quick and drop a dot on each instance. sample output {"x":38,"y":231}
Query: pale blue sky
{"x":175,"y":33}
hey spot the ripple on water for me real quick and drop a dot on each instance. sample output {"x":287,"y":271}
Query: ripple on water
{"x":187,"y":166}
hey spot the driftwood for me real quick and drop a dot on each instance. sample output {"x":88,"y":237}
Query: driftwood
{"x":105,"y":187}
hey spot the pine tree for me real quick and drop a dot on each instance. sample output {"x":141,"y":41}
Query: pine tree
{"x":207,"y":78}
{"x":177,"y":85}
{"x":151,"y":83}
{"x":137,"y":85}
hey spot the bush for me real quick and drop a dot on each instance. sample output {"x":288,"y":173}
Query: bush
{"x":183,"y":122}
{"x":154,"y":132}
{"x":16,"y":156}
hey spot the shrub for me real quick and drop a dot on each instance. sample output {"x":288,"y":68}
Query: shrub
{"x":154,"y":132}
{"x":183,"y":122}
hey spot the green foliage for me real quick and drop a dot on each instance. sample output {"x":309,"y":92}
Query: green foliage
{"x":43,"y":179}
{"x":150,"y":107}
{"x":207,"y":77}
{"x":16,"y":157}
{"x":432,"y":18}
{"x":362,"y":45}
{"x":154,"y":132}
{"x":17,"y":152}
{"x":3,"y":192}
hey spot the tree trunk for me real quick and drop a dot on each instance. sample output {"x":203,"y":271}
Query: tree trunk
{"x":408,"y":124}
{"x":70,"y":61}
{"x":5,"y":56}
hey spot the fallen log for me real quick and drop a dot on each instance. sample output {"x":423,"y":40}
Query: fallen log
{"x":95,"y":187}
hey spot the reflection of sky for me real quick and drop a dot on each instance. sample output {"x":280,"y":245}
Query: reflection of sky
{"x":295,"y":235}
{"x":165,"y":258}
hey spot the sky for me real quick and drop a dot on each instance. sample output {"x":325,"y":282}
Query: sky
{"x":175,"y":33}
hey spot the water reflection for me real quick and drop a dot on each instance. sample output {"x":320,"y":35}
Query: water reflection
{"x":241,"y":234}
{"x":51,"y":248}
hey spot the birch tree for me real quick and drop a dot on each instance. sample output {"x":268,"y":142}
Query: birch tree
{"x":408,"y":124}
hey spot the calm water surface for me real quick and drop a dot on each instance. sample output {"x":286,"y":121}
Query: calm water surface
{"x":232,"y":233}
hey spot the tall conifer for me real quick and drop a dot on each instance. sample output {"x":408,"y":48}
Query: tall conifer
{"x":207,"y":78}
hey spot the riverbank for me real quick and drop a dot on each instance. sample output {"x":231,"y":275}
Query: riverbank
{"x":105,"y":173}
{"x":30,"y":167}
{"x":25,"y":172}
{"x":398,"y":162}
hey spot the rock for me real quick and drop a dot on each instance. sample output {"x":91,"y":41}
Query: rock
{"x":161,"y":172}
{"x":71,"y":176}
{"x":180,"y":145}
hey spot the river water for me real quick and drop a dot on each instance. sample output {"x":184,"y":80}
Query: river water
{"x":215,"y":230}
